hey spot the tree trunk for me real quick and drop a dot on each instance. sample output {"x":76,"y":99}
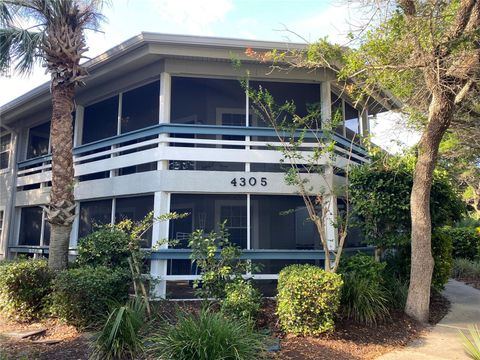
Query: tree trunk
{"x":61,"y":209}
{"x":440,"y":115}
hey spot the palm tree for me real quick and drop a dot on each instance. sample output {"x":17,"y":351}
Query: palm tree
{"x":51,"y":33}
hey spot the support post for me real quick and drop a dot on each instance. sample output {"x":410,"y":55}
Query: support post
{"x":326,"y":103}
{"x":330,"y":204}
{"x":158,"y":268}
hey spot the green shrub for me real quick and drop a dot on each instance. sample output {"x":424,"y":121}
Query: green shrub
{"x":397,"y":292}
{"x":207,"y":336}
{"x":442,"y":255}
{"x":465,"y":241}
{"x":24,"y":285}
{"x":107,"y":246}
{"x":120,"y":336}
{"x":398,"y":261}
{"x":465,"y":269}
{"x":363,"y":300}
{"x":308,"y":299}
{"x":242,"y":300}
{"x":364,"y":266}
{"x":81,"y":295}
{"x":364,"y":296}
{"x":218,"y":260}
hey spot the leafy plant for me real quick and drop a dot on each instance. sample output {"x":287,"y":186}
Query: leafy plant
{"x":207,"y":336}
{"x":308,"y":299}
{"x":464,"y":269}
{"x":218,"y":260}
{"x":107,"y":246}
{"x":380,"y":193}
{"x":242,"y":300}
{"x":81,"y":295}
{"x":465,"y":241}
{"x":364,"y":296}
{"x":120,"y":337}
{"x":24,"y":286}
{"x":363,"y":300}
{"x":364,"y":266}
{"x":472,"y":346}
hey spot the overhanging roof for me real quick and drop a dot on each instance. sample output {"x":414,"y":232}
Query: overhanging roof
{"x":145,"y":49}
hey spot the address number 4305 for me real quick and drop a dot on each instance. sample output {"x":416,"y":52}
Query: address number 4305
{"x":252,"y":181}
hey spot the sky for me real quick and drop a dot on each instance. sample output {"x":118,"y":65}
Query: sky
{"x":279,"y":20}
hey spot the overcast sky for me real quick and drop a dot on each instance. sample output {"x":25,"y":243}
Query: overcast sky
{"x":248,"y":19}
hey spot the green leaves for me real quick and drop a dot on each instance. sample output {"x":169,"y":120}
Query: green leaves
{"x":308,"y":299}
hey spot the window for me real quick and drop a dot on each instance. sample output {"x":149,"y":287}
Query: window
{"x":99,"y":212}
{"x":135,"y":208}
{"x":92,"y":213}
{"x":38,"y":140}
{"x":196,"y":100}
{"x":140,"y":107}
{"x":5,"y":146}
{"x":305,"y":97}
{"x":100,"y":120}
{"x":34,"y":229}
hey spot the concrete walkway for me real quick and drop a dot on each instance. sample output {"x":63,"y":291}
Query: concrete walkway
{"x":443,"y":341}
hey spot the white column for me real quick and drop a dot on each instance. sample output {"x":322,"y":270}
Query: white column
{"x":78,"y":129}
{"x":158,"y":268}
{"x":164,"y":110}
{"x":326,"y":102}
{"x":330,"y":205}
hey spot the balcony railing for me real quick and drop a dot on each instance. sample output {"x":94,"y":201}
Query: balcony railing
{"x":184,"y":142}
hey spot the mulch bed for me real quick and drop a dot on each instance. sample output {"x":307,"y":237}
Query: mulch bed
{"x":354,"y":341}
{"x":349,"y":341}
{"x":73,"y":345}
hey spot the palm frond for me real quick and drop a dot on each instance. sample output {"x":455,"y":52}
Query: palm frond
{"x":20,"y":47}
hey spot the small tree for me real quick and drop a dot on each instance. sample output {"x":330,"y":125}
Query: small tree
{"x":309,"y":154}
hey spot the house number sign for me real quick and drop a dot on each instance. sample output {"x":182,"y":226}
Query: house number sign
{"x":250,"y":181}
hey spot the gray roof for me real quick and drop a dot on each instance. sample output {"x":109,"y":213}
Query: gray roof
{"x":40,"y":93}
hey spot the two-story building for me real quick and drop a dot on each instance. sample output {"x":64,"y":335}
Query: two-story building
{"x":164,"y":124}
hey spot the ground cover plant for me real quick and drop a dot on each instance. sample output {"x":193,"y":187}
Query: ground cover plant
{"x":207,"y":335}
{"x":364,"y":295}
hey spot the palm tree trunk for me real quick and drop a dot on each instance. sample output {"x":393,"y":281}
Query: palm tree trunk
{"x":61,"y":209}
{"x":418,"y":301}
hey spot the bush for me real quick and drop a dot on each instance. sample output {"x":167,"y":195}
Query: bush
{"x":465,"y":241}
{"x":120,"y":335}
{"x":442,"y":255}
{"x":81,"y":295}
{"x":207,"y":336}
{"x":242,"y":300}
{"x":107,"y":246}
{"x":24,"y":285}
{"x":218,"y":260}
{"x":398,"y":261}
{"x":466,"y":269}
{"x":364,"y":266}
{"x":364,"y":300}
{"x":364,"y":296}
{"x":308,"y":299}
